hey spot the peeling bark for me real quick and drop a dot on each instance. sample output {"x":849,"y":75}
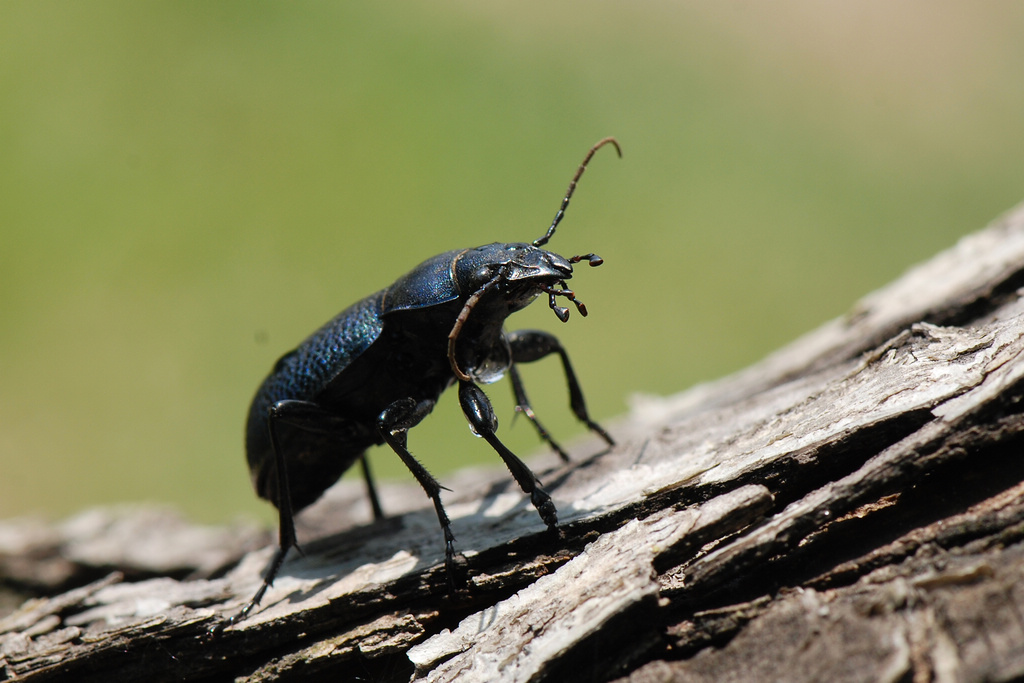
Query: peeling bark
{"x":848,"y":509}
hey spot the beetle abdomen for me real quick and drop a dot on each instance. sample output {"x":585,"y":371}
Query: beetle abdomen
{"x":302,"y":374}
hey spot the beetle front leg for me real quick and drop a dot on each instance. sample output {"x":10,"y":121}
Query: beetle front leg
{"x":394,"y":423}
{"x":530,"y":345}
{"x":482,"y":419}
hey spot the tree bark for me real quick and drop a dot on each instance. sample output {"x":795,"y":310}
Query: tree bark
{"x":848,"y":509}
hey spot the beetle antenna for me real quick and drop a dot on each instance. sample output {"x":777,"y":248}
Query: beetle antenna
{"x":572,"y":188}
{"x":460,"y":321}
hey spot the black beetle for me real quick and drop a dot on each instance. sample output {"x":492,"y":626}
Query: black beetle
{"x":377,"y":369}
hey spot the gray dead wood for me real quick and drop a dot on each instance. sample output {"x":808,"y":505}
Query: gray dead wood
{"x":849,"y":509}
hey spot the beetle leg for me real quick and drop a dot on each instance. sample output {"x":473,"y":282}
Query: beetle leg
{"x":394,"y":423}
{"x":281,"y":410}
{"x":480,"y":414}
{"x":523,"y":406}
{"x":279,"y":486}
{"x":306,"y":480}
{"x":530,"y":345}
{"x":371,"y":490}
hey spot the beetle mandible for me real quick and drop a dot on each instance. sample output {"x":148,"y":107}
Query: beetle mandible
{"x":378,"y":368}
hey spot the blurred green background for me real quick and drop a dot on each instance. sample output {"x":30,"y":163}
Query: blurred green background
{"x":187,"y":189}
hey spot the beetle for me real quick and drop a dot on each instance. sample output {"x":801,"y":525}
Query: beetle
{"x":377,"y":369}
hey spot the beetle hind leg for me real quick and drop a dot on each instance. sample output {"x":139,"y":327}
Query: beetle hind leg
{"x":280,"y":495}
{"x":291,"y":485}
{"x":371,"y":489}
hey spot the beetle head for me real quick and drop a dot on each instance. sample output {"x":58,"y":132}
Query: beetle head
{"x":518,"y":273}
{"x":510,"y":277}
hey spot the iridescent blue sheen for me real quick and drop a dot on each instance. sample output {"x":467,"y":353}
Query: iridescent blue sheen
{"x":428,"y":284}
{"x":301,"y":374}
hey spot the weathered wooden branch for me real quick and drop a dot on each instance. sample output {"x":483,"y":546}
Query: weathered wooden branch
{"x":851,"y":508}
